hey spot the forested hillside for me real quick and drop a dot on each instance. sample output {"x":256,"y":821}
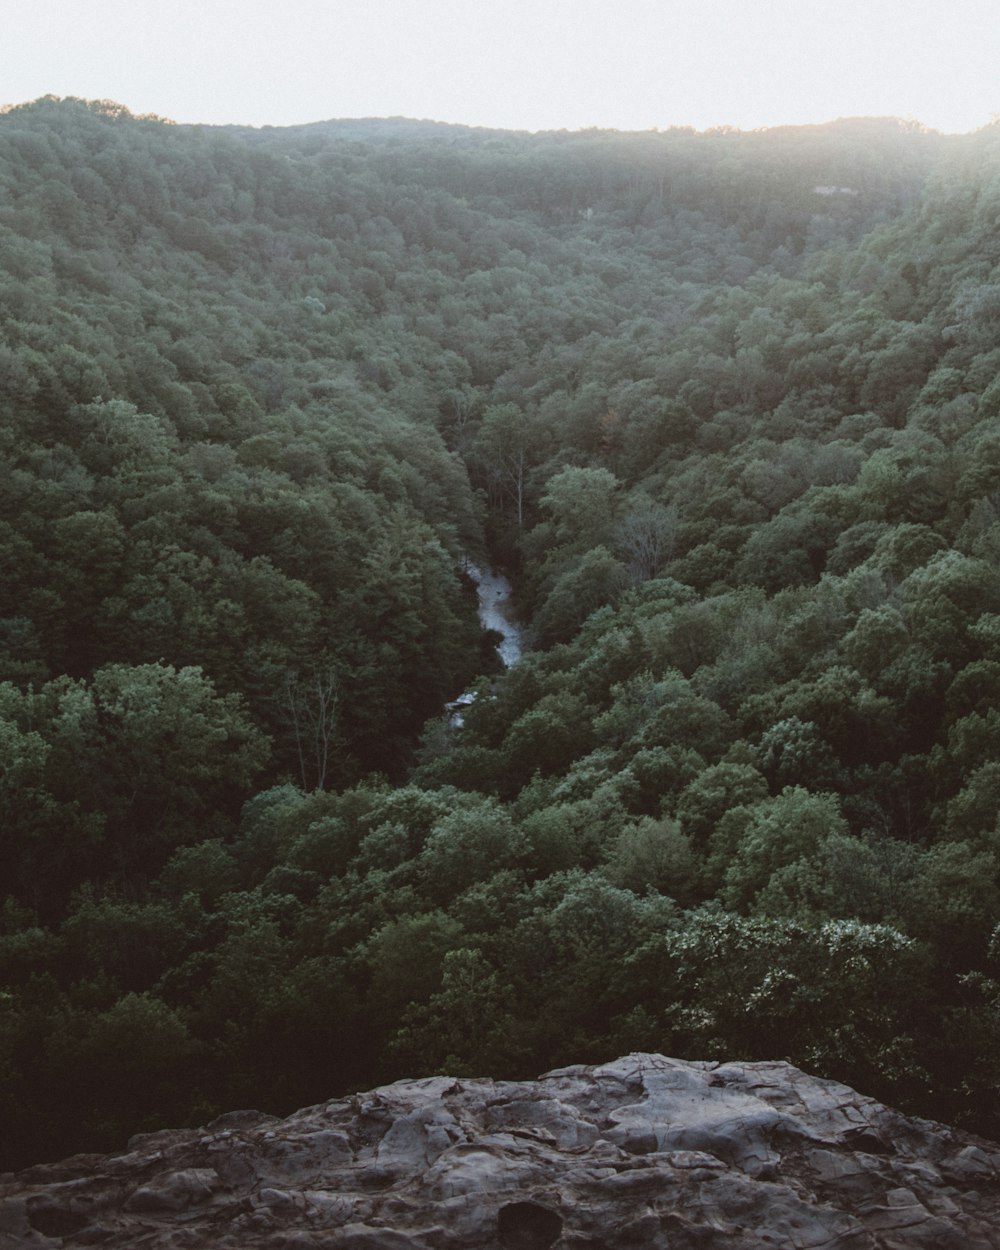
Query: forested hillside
{"x":723,"y":405}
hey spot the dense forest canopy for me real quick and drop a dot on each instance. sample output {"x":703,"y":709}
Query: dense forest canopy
{"x":723,"y":405}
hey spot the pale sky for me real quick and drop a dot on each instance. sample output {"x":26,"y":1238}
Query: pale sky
{"x":521,"y":64}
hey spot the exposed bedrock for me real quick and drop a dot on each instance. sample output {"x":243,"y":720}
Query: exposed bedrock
{"x":643,"y":1152}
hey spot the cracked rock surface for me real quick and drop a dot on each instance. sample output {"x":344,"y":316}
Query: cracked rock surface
{"x":645,"y":1152}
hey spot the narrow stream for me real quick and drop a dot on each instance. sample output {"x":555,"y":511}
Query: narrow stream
{"x":496,"y":613}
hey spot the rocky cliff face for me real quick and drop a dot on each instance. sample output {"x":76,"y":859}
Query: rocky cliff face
{"x":643,"y":1152}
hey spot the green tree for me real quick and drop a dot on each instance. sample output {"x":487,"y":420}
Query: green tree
{"x":781,"y":833}
{"x":501,"y":451}
{"x":583,"y":505}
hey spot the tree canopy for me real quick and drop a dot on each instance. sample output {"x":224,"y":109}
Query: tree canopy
{"x":263,"y":397}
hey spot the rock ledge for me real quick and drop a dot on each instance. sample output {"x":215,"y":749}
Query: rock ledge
{"x":643,"y":1152}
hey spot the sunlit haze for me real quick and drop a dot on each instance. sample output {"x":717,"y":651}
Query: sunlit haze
{"x":524,"y":64}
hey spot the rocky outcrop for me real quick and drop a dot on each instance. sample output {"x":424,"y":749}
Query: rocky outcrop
{"x":642,"y":1152}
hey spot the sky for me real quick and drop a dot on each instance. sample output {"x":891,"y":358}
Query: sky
{"x":514,"y":64}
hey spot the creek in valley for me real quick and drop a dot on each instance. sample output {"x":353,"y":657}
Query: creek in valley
{"x":495,"y":613}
